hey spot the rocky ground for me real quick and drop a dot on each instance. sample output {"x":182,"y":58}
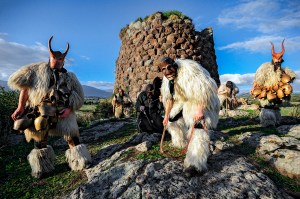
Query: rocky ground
{"x":230,"y":174}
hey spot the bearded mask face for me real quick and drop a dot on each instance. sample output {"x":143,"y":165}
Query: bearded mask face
{"x":168,"y":67}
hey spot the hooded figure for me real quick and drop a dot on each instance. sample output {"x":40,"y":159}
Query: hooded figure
{"x":272,"y":85}
{"x":149,"y":109}
{"x":189,"y":95}
{"x":52,"y":95}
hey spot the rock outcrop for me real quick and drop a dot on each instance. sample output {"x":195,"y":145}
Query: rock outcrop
{"x":144,"y":43}
{"x":229,"y":175}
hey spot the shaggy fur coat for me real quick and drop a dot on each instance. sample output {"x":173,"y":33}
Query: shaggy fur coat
{"x":36,"y":79}
{"x":266,"y":76}
{"x":193,"y":86}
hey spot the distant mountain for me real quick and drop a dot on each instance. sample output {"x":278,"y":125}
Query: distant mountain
{"x":109,"y":90}
{"x":88,"y":90}
{"x":95,"y":92}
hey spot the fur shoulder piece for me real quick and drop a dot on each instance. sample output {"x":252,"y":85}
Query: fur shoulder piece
{"x":191,"y":67}
{"x":291,"y":73}
{"x":195,"y":83}
{"x":77,"y":96}
{"x":25,"y":76}
{"x":262,"y":73}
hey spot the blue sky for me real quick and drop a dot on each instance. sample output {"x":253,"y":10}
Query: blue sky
{"x":243,"y":30}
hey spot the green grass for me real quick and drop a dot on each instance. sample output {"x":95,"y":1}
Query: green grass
{"x":120,"y":136}
{"x":87,"y":108}
{"x":15,"y":178}
{"x":152,"y":154}
{"x":280,"y":180}
{"x":234,"y":130}
{"x":16,"y":181}
{"x":293,"y":111}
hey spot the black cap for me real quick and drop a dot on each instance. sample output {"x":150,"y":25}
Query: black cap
{"x":167,"y":60}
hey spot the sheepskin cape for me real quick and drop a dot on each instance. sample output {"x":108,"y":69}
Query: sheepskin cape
{"x":193,"y":86}
{"x":267,"y":76}
{"x":36,"y":79}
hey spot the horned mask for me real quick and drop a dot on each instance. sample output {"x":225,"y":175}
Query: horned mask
{"x":56,"y":57}
{"x":278,"y":56}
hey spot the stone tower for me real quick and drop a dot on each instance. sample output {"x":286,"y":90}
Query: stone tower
{"x":144,"y":43}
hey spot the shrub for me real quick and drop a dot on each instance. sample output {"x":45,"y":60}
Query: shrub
{"x":84,"y":119}
{"x":168,"y":14}
{"x":104,"y":109}
{"x":8,"y":104}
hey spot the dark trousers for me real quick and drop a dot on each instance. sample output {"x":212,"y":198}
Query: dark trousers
{"x":151,"y":123}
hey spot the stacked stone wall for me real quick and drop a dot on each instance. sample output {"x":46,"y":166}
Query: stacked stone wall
{"x":144,"y":43}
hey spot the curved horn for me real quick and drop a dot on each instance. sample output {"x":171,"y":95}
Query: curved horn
{"x":282,"y":47}
{"x":273,"y":50}
{"x":67,"y":49}
{"x":49,"y":44}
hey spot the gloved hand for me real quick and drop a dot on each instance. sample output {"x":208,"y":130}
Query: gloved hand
{"x":142,"y":108}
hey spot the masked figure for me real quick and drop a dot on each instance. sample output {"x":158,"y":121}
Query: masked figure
{"x":49,"y":97}
{"x":227,"y":95}
{"x":149,"y":109}
{"x":189,"y":95}
{"x":121,"y":104}
{"x":271,"y":86}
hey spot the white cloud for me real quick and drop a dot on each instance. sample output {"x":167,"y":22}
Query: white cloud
{"x":262,"y":15}
{"x":14,"y":55}
{"x":260,"y":44}
{"x":99,"y":84}
{"x":245,"y":81}
{"x":238,"y":79}
{"x":85,"y":57}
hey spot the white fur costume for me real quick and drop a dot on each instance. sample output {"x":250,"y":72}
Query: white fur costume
{"x":36,"y":79}
{"x":266,"y":76}
{"x":193,"y":86}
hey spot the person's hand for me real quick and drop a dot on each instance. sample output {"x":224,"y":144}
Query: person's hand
{"x":19,"y":111}
{"x":165,"y":121}
{"x":142,"y":108}
{"x":198,"y":115}
{"x":65,"y":113}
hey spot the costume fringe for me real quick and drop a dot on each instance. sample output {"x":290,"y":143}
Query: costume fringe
{"x":41,"y":161}
{"x":269,"y":117}
{"x":197,"y":154}
{"x":78,"y":157}
{"x":178,"y":131}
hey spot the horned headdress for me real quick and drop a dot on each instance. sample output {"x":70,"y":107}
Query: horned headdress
{"x":278,"y":55}
{"x":57,"y":54}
